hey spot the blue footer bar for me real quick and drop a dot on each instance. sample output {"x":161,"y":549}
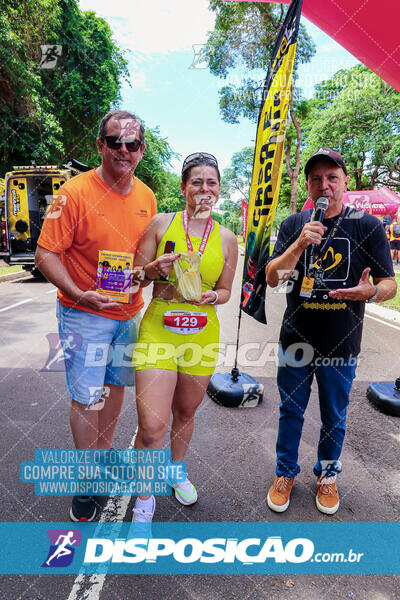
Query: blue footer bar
{"x":200,"y":548}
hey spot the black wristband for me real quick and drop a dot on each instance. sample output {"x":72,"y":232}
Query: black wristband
{"x":145,"y":276}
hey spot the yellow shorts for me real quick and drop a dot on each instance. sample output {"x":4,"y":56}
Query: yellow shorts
{"x":160,"y":348}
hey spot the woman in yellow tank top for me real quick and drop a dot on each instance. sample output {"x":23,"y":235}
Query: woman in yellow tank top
{"x":177,"y":349}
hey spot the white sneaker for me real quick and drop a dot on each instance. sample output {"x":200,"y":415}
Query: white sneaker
{"x":185,"y":492}
{"x":141,"y":522}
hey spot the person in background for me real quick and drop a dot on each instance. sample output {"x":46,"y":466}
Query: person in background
{"x":394,"y":239}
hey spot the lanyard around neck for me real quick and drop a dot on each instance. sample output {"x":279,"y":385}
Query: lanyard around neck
{"x":332,"y":234}
{"x":206,"y":234}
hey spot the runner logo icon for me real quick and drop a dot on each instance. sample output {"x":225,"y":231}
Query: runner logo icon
{"x":61,"y":551}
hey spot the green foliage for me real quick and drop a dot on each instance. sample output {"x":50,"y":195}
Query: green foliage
{"x":217,"y":217}
{"x":282,"y":212}
{"x":236,"y":178}
{"x":243,"y":39}
{"x":231,"y":218}
{"x":230,"y":206}
{"x":86,"y":83}
{"x":153,"y":171}
{"x":51,"y":114}
{"x":233,"y":221}
{"x":284,"y":192}
{"x":235,"y":181}
{"x":28,"y":123}
{"x":170,"y":197}
{"x":358,"y":114}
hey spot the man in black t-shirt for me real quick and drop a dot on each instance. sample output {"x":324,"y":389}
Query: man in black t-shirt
{"x":329,"y":264}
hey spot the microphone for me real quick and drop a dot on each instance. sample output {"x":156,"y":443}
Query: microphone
{"x":321,"y":206}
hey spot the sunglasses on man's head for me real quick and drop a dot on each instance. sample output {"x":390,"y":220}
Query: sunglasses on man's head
{"x":196,"y":156}
{"x":114,"y":142}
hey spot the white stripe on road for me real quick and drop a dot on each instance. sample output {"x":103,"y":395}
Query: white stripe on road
{"x":88,"y":587}
{"x":16,"y":304}
{"x":53,"y":291}
{"x":383,"y":322}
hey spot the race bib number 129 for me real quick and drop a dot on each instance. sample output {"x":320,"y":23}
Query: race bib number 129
{"x":184,"y":321}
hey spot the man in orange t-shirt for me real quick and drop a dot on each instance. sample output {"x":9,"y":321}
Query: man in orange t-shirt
{"x":104,"y":209}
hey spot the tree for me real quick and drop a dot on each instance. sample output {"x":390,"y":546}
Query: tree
{"x":25,"y":110}
{"x":235,"y":187}
{"x":48,"y":113}
{"x":153,"y":170}
{"x":86,"y":83}
{"x":358,"y":114}
{"x":232,"y":217}
{"x":243,"y":39}
{"x":293,"y":147}
{"x":236,"y":179}
{"x":170,"y":197}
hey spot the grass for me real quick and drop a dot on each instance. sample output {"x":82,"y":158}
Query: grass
{"x":8,"y":270}
{"x":394,"y":303}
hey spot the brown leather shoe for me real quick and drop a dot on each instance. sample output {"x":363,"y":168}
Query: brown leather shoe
{"x":327,"y":498}
{"x":279,"y":493}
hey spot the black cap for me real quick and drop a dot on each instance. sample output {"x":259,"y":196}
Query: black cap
{"x":322,"y":154}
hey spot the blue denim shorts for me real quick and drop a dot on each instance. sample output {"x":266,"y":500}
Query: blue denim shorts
{"x":97,"y":351}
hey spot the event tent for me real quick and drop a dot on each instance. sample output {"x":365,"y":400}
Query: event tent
{"x":368,"y":29}
{"x":376,"y":202}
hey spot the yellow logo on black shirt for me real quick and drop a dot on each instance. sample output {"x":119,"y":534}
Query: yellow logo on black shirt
{"x":329,"y":257}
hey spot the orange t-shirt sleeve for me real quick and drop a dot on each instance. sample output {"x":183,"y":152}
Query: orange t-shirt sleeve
{"x":59,"y":225}
{"x":154,"y":206}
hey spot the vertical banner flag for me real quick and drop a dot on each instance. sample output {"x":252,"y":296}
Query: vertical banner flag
{"x":245,"y":209}
{"x":267,"y":165}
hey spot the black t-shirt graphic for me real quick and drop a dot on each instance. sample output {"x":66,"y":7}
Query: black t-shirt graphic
{"x":332,"y":327}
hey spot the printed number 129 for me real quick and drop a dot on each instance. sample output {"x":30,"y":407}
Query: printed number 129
{"x":185,"y":321}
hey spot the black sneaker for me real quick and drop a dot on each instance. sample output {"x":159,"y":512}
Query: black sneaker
{"x":83,"y":508}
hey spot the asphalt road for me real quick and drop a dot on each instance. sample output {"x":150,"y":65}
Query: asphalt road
{"x":231,"y":458}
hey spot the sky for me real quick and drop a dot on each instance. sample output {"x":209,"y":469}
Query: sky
{"x":172,"y":90}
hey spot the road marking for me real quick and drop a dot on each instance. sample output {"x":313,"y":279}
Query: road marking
{"x":16,"y":304}
{"x":384,"y":322}
{"x":52,"y":291}
{"x":89,"y":586}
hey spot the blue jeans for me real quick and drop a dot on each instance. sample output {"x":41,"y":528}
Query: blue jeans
{"x":334,"y":385}
{"x":97,"y":351}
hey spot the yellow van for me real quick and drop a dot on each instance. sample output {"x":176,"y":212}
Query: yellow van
{"x":28,"y":191}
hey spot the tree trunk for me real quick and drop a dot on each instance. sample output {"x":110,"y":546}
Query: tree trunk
{"x":357,"y":176}
{"x":373,"y":177}
{"x":293,"y":173}
{"x":293,"y":195}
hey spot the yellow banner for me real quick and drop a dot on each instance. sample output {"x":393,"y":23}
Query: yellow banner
{"x":267,"y":170}
{"x":267,"y":166}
